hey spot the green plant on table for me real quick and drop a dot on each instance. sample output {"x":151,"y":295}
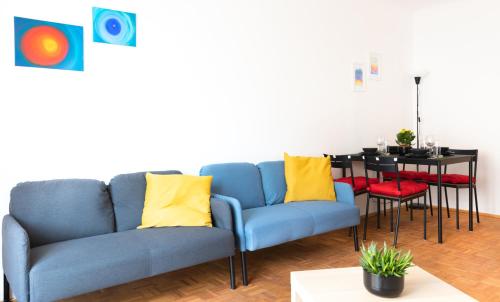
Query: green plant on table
{"x":405,"y":137}
{"x":386,"y":261}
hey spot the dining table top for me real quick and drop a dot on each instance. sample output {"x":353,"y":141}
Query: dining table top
{"x":432,"y":161}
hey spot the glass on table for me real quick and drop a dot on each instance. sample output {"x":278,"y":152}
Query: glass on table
{"x":382,"y":145}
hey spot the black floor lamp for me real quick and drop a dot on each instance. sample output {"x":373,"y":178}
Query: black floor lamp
{"x":417,"y":81}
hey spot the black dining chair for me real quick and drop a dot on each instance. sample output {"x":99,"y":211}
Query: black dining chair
{"x":398,"y":190}
{"x":457,"y":182}
{"x":358,"y":183}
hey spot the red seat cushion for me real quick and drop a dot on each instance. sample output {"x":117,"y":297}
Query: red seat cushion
{"x":450,"y":178}
{"x":413,"y":175}
{"x":359,"y":182}
{"x":390,"y":188}
{"x":461,"y":179}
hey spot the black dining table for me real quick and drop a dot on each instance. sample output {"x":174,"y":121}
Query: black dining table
{"x":438,"y":162}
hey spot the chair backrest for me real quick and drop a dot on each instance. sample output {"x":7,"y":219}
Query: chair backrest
{"x":381,"y":164}
{"x":239,"y":180}
{"x":127,"y":194}
{"x":59,"y":210}
{"x":343,"y":162}
{"x":473,"y":152}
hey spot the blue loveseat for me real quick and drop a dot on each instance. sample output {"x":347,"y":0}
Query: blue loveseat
{"x":261,"y":218}
{"x":67,"y":237}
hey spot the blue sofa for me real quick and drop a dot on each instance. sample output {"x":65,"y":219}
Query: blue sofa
{"x":261,"y":218}
{"x":67,"y":237}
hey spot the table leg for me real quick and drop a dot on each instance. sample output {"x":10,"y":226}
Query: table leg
{"x":471,"y":226}
{"x":440,"y":207}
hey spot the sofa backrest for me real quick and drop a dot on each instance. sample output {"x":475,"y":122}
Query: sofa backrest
{"x":239,"y":180}
{"x":127,"y":194}
{"x":273,"y":181}
{"x":58,"y":210}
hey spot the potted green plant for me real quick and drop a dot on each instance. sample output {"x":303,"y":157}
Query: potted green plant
{"x":384,"y":269}
{"x":404,"y":139}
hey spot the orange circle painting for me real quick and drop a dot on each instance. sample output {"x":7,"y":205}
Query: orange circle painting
{"x":44,"y":45}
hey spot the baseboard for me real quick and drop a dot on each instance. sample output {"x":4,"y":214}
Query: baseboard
{"x":444,"y":207}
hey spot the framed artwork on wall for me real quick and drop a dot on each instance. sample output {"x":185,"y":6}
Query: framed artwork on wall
{"x":114,"y":27}
{"x":374,"y":66}
{"x":358,"y":77}
{"x":46,"y":44}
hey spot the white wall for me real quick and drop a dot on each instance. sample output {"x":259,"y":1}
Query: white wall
{"x":458,"y":43}
{"x":210,"y":81}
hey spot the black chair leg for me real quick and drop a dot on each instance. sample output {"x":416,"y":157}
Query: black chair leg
{"x":231,"y":272}
{"x":378,"y":213}
{"x":355,"y":235}
{"x":397,"y":224}
{"x":447,"y":205}
{"x":411,"y":209}
{"x":384,"y":201}
{"x":244,"y":272}
{"x":477,"y":208}
{"x":6,"y":289}
{"x":406,"y":207}
{"x":366,"y":216}
{"x":425,"y":217}
{"x":392,"y":216}
{"x":430,"y":202}
{"x":457,"y":211}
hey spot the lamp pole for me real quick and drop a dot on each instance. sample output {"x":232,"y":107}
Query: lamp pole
{"x":417,"y":81}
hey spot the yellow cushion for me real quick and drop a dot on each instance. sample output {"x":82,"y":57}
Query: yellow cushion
{"x":308,"y":178}
{"x":176,"y":200}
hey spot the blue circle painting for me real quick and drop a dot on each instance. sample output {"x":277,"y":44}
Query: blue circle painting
{"x":114,"y":27}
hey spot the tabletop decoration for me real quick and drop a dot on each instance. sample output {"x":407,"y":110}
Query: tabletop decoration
{"x":404,"y":138}
{"x":384,"y":269}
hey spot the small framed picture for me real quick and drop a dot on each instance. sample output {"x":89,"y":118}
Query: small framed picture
{"x":358,"y":77}
{"x":374,"y":66}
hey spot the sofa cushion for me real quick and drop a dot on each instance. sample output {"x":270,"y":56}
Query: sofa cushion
{"x":57,"y":210}
{"x":273,"y":181}
{"x":74,"y":267}
{"x":176,"y":200}
{"x":238,"y":180}
{"x":308,"y":178}
{"x":273,"y":225}
{"x":328,"y":215}
{"x":127,"y":193}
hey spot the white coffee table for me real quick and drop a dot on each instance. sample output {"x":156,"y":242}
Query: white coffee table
{"x":346,"y":284}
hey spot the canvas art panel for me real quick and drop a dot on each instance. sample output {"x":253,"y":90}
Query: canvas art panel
{"x":114,"y":27}
{"x":44,"y":44}
{"x":374,"y":66}
{"x":358,"y":77}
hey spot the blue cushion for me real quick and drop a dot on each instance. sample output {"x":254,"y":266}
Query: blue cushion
{"x":329,"y":215}
{"x":273,"y":225}
{"x":127,"y":193}
{"x":273,"y":181}
{"x":57,"y":210}
{"x":238,"y":180}
{"x":70,"y":268}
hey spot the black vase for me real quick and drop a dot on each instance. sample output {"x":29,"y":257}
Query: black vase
{"x":388,"y":287}
{"x":403,"y":150}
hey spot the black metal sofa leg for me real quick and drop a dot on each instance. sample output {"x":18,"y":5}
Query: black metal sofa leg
{"x":231,"y":272}
{"x":6,"y":289}
{"x":244,"y":272}
{"x":355,"y":235}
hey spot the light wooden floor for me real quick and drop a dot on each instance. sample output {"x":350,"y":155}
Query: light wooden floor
{"x":468,"y":260}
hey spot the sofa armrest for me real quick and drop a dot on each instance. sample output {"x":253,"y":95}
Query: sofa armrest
{"x":344,"y":193}
{"x":15,"y":257}
{"x":221,"y":214}
{"x":239,"y":228}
